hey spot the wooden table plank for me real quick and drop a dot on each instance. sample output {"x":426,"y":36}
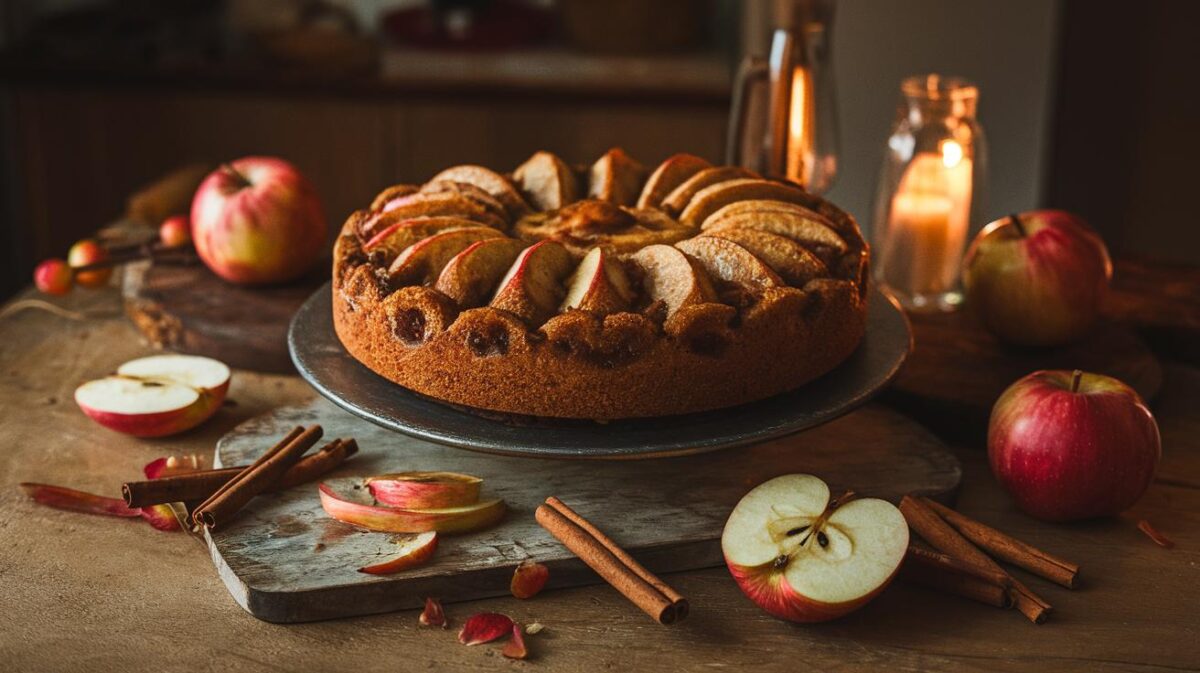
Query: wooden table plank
{"x":85,"y":593}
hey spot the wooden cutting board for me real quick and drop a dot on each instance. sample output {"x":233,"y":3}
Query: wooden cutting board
{"x":284,"y":560}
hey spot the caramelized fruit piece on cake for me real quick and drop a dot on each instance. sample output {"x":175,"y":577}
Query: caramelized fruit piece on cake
{"x":616,"y":177}
{"x":470,"y":276}
{"x":489,"y":181}
{"x":431,"y":205}
{"x":669,"y":175}
{"x":392,"y":193}
{"x":599,"y":285}
{"x":777,"y":217}
{"x":533,"y":287}
{"x":711,"y":199}
{"x":421,"y":262}
{"x":729,"y":262}
{"x":679,"y":197}
{"x":673,"y":278}
{"x":546,"y":181}
{"x":391,"y":241}
{"x":792,"y":261}
{"x":491,"y":203}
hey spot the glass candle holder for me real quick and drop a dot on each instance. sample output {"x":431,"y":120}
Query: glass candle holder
{"x":928,"y":205}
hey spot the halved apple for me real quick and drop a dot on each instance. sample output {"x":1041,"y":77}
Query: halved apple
{"x":731,"y":263}
{"x":599,"y":285}
{"x":393,"y":239}
{"x":472,"y":275}
{"x":489,"y":181}
{"x":156,"y":396}
{"x":711,"y":199}
{"x":673,"y":278}
{"x":792,"y":261}
{"x":546,"y":181}
{"x":344,"y":508}
{"x":670,"y":174}
{"x":422,"y":262}
{"x":679,"y":197}
{"x":414,"y":551}
{"x":533,"y":287}
{"x":806,"y":558}
{"x":778,"y":217}
{"x":616,"y":178}
{"x":425,"y":490}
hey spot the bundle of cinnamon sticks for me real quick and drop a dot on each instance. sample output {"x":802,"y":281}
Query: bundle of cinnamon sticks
{"x":960,"y":561}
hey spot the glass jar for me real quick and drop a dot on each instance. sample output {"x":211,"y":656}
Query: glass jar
{"x":929,"y":201}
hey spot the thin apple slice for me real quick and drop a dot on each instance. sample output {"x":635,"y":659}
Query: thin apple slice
{"x":393,"y":193}
{"x":528,"y":579}
{"x":599,"y":285}
{"x":778,"y":217}
{"x":546,"y":181}
{"x":731,"y":263}
{"x":161,"y":517}
{"x":422,"y":262}
{"x":500,"y":187}
{"x":489,"y":202}
{"x":425,"y":490}
{"x":484,"y":628}
{"x":670,"y":174}
{"x":533,"y":287}
{"x":393,"y":239}
{"x":433,"y":614}
{"x":515,"y":647}
{"x":616,"y":178}
{"x":679,"y":197}
{"x":711,"y":199}
{"x":415,"y":550}
{"x":471,"y":276}
{"x":430,"y":205}
{"x":398,"y":520}
{"x":673,"y":278}
{"x":792,"y":261}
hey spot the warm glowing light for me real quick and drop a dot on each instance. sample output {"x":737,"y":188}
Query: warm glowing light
{"x":952,"y":153}
{"x":801,"y":144}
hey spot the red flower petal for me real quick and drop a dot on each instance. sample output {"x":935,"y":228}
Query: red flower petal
{"x":78,"y":501}
{"x":484,"y":628}
{"x":433,"y":614}
{"x":528,"y":579}
{"x":515,"y":647}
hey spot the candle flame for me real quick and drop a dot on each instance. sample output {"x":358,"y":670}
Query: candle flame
{"x":801,"y":143}
{"x":952,"y":153}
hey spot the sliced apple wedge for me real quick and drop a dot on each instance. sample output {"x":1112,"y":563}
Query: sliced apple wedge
{"x":673,"y":278}
{"x":393,"y":193}
{"x":616,"y":178}
{"x":415,"y":550}
{"x":422,"y":262}
{"x":425,"y":490}
{"x":711,"y":199}
{"x":546,"y":181}
{"x":431,"y":205}
{"x":489,"y":181}
{"x":345,"y":508}
{"x":393,"y":239}
{"x":670,"y":174}
{"x":472,"y":275}
{"x":533,"y":287}
{"x":806,"y":558}
{"x":729,"y":262}
{"x":599,"y":285}
{"x":778,"y":217}
{"x":679,"y":197}
{"x":792,"y":261}
{"x":156,"y":396}
{"x":467,"y":190}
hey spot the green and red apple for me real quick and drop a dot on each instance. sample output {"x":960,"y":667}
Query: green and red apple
{"x":53,"y":276}
{"x":86,"y":252}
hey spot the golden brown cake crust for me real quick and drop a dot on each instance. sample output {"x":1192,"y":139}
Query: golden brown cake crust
{"x":635,"y":363}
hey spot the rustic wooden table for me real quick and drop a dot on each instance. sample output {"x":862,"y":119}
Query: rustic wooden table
{"x":90,"y":593}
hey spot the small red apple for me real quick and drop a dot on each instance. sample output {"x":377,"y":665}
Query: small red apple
{"x":175,"y":231}
{"x":53,"y":276}
{"x":1037,"y":279}
{"x":257,"y":220}
{"x":86,"y":252}
{"x":1070,"y":445}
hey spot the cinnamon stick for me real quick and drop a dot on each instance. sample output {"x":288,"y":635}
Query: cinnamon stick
{"x":615,"y":566}
{"x":255,"y":479}
{"x":202,"y":484}
{"x":948,"y":564}
{"x":945,"y":539}
{"x":1009,"y":549}
{"x":941,"y":572}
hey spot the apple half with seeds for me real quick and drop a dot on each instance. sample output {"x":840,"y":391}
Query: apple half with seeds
{"x":804,"y":557}
{"x":156,"y":396}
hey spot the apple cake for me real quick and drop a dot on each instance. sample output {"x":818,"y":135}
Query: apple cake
{"x":600,"y":292}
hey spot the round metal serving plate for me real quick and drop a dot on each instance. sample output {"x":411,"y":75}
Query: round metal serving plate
{"x":323,"y":362}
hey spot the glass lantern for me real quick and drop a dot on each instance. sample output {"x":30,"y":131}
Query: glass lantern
{"x":928,"y":205}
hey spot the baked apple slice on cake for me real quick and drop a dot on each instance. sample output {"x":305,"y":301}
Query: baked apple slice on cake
{"x":546,"y":181}
{"x":679,"y":197}
{"x":711,"y":199}
{"x":421,"y":262}
{"x":670,"y":174}
{"x":476,"y":194}
{"x":533,"y":287}
{"x":599,"y":285}
{"x":489,"y":181}
{"x":778,"y":217}
{"x":616,"y":178}
{"x":430,"y":205}
{"x":673,"y":278}
{"x":470,"y":276}
{"x":792,"y":261}
{"x":393,"y":193}
{"x":729,"y":262}
{"x":391,"y":241}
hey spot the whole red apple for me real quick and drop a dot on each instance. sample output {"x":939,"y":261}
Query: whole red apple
{"x":53,"y":276}
{"x":258,"y":220}
{"x":175,"y":231}
{"x":1069,"y":445}
{"x":1037,"y":279}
